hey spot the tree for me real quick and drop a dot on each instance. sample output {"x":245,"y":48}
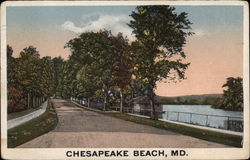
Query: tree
{"x":90,"y":47}
{"x":26,"y":74}
{"x":122,"y":67}
{"x":32,"y":76}
{"x":85,"y":84}
{"x":16,"y":100}
{"x":158,"y":51}
{"x":48,"y":77}
{"x":9,"y":52}
{"x":67,"y":82}
{"x":58,"y":62}
{"x":92,"y":51}
{"x":232,"y":98}
{"x":10,"y":65}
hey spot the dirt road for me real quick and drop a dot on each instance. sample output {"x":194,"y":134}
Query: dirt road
{"x":81,"y":128}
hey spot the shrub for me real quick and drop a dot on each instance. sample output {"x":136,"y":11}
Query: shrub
{"x":16,"y":100}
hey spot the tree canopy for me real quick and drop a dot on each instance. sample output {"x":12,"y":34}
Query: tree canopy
{"x":29,"y":78}
{"x":101,"y":64}
{"x":158,"y":51}
{"x":232,"y":98}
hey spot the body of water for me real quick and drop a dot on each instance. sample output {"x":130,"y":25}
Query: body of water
{"x":204,"y":115}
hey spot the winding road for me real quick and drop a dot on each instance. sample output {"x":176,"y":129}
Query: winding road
{"x":79,"y":128}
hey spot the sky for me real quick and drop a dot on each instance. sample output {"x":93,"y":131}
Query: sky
{"x":215,"y":51}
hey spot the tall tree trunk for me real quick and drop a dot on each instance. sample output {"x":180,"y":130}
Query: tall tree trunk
{"x":105,"y":103}
{"x":29,"y":101}
{"x":153,"y":113}
{"x":40,"y":102}
{"x":152,"y":104}
{"x":33,"y":102}
{"x":36,"y":102}
{"x":121,"y":103}
{"x":89,"y":102}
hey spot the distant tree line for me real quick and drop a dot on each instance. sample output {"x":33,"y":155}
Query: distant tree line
{"x":231,"y":99}
{"x":204,"y":100}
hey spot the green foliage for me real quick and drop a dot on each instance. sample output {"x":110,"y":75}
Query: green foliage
{"x":160,"y":26}
{"x":95,"y":54}
{"x":9,"y":52}
{"x":31,"y":75}
{"x":232,"y":96}
{"x":122,"y":66}
{"x":47,"y":80}
{"x":101,"y":58}
{"x":85,"y":80}
{"x":90,"y":47}
{"x":101,"y":63}
{"x":66,"y":80}
{"x":26,"y":71}
{"x":57,"y":61}
{"x":10,"y":65}
{"x":158,"y":51}
{"x":161,"y":35}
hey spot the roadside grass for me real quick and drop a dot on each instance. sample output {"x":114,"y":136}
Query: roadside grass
{"x":33,"y":128}
{"x":213,"y":136}
{"x":19,"y":114}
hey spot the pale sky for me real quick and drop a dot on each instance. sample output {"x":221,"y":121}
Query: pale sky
{"x":215,"y":51}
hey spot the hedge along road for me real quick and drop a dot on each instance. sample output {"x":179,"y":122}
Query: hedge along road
{"x":80,"y":128}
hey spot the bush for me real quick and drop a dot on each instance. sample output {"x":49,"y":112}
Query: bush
{"x":16,"y":100}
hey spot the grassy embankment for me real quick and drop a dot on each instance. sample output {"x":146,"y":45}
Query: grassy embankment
{"x":33,"y":128}
{"x":19,"y":114}
{"x":208,"y":135}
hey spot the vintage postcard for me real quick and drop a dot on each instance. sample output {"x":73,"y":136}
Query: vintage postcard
{"x":124,"y":80}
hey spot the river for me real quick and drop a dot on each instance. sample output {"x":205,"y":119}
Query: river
{"x":203,"y":115}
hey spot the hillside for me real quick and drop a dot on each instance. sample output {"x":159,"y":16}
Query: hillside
{"x":208,"y":99}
